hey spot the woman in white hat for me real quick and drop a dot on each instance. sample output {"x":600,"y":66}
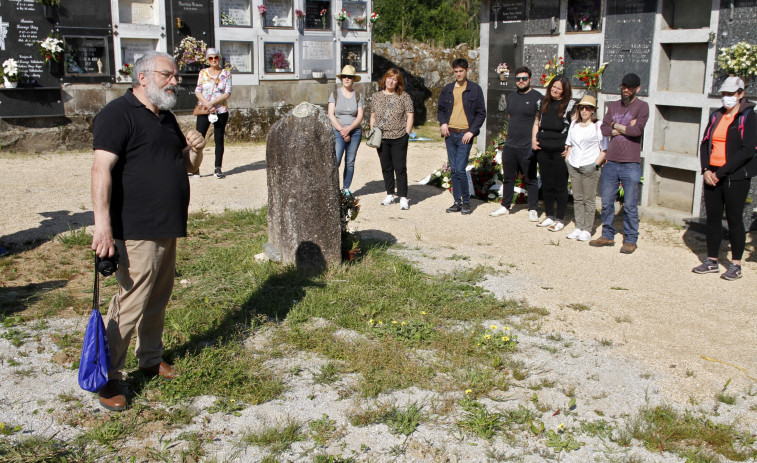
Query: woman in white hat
{"x":727,"y":157}
{"x":212,"y":91}
{"x":346,"y":115}
{"x":586,"y":154}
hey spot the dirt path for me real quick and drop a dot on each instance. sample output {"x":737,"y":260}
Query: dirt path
{"x":648,"y":305}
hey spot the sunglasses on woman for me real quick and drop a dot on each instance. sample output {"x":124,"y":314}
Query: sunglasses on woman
{"x":587,"y":108}
{"x":214,"y":58}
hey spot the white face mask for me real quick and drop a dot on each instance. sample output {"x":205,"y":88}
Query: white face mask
{"x":730,"y":101}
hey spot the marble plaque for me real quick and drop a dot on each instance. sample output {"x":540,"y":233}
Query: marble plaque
{"x":133,"y":49}
{"x":278,"y":13}
{"x":578,"y":57}
{"x":543,"y":17}
{"x":736,"y":25}
{"x":234,"y":13}
{"x":136,"y":11}
{"x":536,"y":57}
{"x":355,"y":10}
{"x":238,"y":55}
{"x":628,"y":42}
{"x":318,"y":55}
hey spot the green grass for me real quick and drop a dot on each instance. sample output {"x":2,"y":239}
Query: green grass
{"x":399,"y":420}
{"x":75,"y":238}
{"x":275,"y":439}
{"x":663,"y":429}
{"x":478,"y":420}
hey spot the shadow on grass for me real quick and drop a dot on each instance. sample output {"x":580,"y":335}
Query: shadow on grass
{"x":15,"y":299}
{"x":55,"y":222}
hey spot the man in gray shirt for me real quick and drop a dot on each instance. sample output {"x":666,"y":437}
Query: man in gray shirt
{"x":517,"y":153}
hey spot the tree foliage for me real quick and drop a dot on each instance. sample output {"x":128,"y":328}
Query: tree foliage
{"x":446,"y":22}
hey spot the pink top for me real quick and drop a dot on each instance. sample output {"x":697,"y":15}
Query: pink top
{"x":212,"y":87}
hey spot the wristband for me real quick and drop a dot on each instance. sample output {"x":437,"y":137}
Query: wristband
{"x":612,"y":126}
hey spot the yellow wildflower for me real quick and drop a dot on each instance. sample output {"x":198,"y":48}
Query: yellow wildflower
{"x":507,"y":328}
{"x":394,"y":322}
{"x":494,"y":327}
{"x":561,"y":426}
{"x":423,"y":313}
{"x":505,"y":338}
{"x":403,"y":323}
{"x":468,"y":391}
{"x":380,"y":322}
{"x":487,"y":336}
{"x":370,"y":321}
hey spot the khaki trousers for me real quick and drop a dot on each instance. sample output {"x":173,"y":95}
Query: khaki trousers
{"x":146,"y":270}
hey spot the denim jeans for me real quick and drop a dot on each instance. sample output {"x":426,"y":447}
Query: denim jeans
{"x":457,"y":154}
{"x":351,"y":148}
{"x":613,"y":173}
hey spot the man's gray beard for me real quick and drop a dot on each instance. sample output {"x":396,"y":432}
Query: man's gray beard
{"x":160,"y":98}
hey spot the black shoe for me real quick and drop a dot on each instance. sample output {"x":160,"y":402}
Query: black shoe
{"x":454,"y":208}
{"x":218,"y":173}
{"x":466,"y":209}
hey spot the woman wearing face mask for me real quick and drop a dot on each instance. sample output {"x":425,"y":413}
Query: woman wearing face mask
{"x":213,"y":89}
{"x":553,"y":116}
{"x":727,"y":156}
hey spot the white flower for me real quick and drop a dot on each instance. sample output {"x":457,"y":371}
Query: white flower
{"x":445,"y":179}
{"x":10,"y":68}
{"x":445,"y":185}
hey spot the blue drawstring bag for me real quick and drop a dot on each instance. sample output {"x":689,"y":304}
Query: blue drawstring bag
{"x":95,"y":354}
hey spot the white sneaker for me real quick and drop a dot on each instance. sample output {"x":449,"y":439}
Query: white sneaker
{"x":501,"y":211}
{"x":546,"y":223}
{"x":584,"y":236}
{"x":557,"y":226}
{"x":404,"y":205}
{"x":388,"y":200}
{"x":574,"y":234}
{"x":533,"y":215}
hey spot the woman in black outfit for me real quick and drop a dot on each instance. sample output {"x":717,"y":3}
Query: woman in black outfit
{"x":553,"y":115}
{"x":727,"y":156}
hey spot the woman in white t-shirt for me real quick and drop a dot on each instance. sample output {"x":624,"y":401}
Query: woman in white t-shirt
{"x":586,"y":153}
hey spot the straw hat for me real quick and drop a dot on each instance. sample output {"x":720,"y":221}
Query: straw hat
{"x":349,"y":71}
{"x":588,"y":100}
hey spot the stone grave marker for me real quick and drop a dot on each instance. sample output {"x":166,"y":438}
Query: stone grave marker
{"x":303,"y":191}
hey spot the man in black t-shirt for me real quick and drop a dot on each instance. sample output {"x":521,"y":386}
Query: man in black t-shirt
{"x":517,"y":153}
{"x":140,"y":196}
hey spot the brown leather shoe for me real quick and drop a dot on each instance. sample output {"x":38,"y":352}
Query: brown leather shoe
{"x":112,"y":397}
{"x":602,"y":241}
{"x":163,"y":369}
{"x":628,"y":247}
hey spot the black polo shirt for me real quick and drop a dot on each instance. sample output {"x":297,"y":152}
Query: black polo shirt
{"x":150,"y":195}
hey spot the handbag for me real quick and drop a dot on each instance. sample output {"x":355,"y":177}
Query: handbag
{"x":95,"y":354}
{"x":374,"y":135}
{"x":199,"y":108}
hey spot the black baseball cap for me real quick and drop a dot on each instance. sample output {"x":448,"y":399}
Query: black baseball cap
{"x":631,"y":80}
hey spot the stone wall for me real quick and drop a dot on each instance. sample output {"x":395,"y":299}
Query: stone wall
{"x":254,"y":108}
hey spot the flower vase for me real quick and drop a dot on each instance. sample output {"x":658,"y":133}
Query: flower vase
{"x":349,"y":255}
{"x":503,"y":78}
{"x":55,"y":67}
{"x":8,"y":83}
{"x":586,"y":27}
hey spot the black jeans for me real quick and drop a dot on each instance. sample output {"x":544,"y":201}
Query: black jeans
{"x":219,"y":127}
{"x":554,"y":182}
{"x":732,"y":195}
{"x":393,"y":156}
{"x":523,"y":159}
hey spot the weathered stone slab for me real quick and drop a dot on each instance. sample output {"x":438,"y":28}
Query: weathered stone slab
{"x":303,"y":190}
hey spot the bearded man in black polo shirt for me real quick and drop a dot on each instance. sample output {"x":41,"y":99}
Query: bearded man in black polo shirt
{"x":140,"y":196}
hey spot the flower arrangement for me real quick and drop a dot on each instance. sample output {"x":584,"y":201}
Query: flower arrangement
{"x":49,"y":2}
{"x":261,"y":10}
{"x":126,"y":70}
{"x":587,"y":19}
{"x":299,"y":13}
{"x":554,"y":67}
{"x":591,"y":78}
{"x":227,"y":20}
{"x":342,"y":16}
{"x":190,"y":51}
{"x":51,"y":49}
{"x":280,"y":60}
{"x":324,"y":14}
{"x":360,"y":20}
{"x":739,"y":59}
{"x":503,"y":70}
{"x":374,"y":17}
{"x":441,"y":177}
{"x":10,"y":70}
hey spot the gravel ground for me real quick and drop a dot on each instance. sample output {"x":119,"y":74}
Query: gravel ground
{"x":634,"y":329}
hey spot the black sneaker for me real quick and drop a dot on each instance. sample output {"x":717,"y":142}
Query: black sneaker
{"x":708,"y":266}
{"x":195,"y":174}
{"x":733,"y":273}
{"x":454,"y":208}
{"x":218,"y":173}
{"x":465,"y":209}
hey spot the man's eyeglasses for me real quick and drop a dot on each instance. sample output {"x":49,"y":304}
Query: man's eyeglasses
{"x":214,"y":58}
{"x":168,"y":76}
{"x":521,"y":79}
